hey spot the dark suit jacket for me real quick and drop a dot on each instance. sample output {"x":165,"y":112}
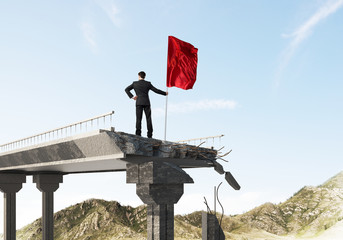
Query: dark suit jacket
{"x":142,"y":88}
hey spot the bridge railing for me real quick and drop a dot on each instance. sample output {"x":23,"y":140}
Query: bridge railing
{"x":101,"y":121}
{"x":210,"y":141}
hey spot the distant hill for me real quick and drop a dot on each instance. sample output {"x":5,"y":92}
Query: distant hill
{"x":308,"y":213}
{"x":314,"y":212}
{"x":93,"y":219}
{"x":96,"y":219}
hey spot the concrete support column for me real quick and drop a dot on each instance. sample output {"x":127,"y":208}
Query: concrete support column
{"x":48,"y":184}
{"x":160,"y":218}
{"x":9,"y":216}
{"x":10,"y":184}
{"x":211,"y":230}
{"x":160,"y":186}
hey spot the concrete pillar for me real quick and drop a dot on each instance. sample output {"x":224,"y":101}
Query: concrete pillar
{"x":10,"y":184}
{"x":160,"y":218}
{"x":48,"y":184}
{"x":211,"y":230}
{"x":160,"y":186}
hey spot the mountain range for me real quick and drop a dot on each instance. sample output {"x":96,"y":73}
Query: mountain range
{"x":312,"y":212}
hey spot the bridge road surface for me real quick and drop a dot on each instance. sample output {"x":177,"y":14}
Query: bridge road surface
{"x":101,"y":151}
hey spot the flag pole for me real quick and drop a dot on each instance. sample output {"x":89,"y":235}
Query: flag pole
{"x":165,"y":117}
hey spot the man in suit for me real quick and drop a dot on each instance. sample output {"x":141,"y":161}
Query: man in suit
{"x":142,"y":89}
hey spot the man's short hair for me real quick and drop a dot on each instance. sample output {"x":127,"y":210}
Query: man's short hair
{"x":141,"y":74}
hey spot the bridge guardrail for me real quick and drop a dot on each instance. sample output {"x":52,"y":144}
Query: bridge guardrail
{"x":58,"y":133}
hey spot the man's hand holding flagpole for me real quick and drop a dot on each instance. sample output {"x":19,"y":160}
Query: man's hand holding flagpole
{"x":181,"y":68}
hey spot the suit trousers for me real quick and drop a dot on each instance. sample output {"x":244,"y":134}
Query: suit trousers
{"x":139,"y":115}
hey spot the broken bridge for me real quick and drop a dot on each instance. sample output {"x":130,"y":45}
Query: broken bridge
{"x":155,"y":166}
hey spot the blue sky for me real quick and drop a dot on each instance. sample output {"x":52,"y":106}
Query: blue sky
{"x":269,"y":79}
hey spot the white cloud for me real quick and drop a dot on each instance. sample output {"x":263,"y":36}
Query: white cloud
{"x":303,"y":31}
{"x":111,"y":10}
{"x":186,"y":107}
{"x":88,"y":28}
{"x":89,"y":34}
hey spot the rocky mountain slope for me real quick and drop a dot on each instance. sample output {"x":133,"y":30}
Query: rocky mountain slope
{"x":93,"y":219}
{"x":96,"y":219}
{"x":308,"y":213}
{"x":313,"y":212}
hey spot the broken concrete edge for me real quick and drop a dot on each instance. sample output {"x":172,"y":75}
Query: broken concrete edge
{"x":136,"y":145}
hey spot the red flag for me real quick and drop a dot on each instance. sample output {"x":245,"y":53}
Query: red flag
{"x":182,"y":64}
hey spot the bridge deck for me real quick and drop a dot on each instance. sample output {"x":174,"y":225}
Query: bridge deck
{"x":100,"y":151}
